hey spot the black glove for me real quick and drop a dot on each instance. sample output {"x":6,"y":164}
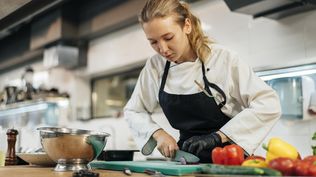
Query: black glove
{"x":196,"y":144}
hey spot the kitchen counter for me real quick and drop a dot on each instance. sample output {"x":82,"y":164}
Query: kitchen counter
{"x":36,"y":171}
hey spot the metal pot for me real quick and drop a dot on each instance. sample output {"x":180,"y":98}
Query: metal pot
{"x":72,"y":149}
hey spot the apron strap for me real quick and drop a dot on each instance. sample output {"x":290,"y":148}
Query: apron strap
{"x":164,"y":76}
{"x":206,"y":83}
{"x":214,"y":86}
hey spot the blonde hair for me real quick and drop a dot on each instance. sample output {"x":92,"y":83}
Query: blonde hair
{"x":162,"y":8}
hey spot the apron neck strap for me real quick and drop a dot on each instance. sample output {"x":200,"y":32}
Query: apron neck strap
{"x":208,"y":84}
{"x":164,"y":76}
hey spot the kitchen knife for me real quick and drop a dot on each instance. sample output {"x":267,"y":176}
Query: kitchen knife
{"x":189,"y":158}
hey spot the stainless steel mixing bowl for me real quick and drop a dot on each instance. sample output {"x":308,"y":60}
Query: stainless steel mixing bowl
{"x":72,"y":149}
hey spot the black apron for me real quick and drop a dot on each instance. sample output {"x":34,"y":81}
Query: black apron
{"x":194,"y":114}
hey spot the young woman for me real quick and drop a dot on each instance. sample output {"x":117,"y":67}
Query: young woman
{"x":206,"y":92}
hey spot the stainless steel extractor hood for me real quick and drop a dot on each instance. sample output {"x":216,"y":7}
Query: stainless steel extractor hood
{"x":61,"y":56}
{"x":274,"y":9}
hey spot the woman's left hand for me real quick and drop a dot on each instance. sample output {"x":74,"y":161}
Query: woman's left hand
{"x":196,"y":144}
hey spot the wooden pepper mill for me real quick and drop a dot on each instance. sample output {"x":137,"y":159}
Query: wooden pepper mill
{"x":11,"y":158}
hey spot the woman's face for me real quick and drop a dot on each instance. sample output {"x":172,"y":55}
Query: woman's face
{"x":168,"y":38}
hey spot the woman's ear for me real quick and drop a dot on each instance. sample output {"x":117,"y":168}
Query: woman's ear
{"x":187,"y":28}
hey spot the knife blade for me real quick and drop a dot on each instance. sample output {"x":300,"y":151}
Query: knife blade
{"x":190,"y":158}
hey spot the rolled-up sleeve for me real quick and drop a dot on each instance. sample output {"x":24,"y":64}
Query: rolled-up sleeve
{"x":261,"y":107}
{"x":141,"y":105}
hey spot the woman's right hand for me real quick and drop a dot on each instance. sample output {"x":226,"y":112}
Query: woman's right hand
{"x":166,"y":144}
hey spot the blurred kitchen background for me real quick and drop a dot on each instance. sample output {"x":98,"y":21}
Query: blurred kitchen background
{"x":74,"y":63}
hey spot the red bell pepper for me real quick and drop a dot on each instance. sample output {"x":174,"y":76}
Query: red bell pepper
{"x":218,"y":155}
{"x":228,"y":155}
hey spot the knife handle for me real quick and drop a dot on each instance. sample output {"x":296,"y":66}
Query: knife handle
{"x":154,"y":173}
{"x":127,"y":171}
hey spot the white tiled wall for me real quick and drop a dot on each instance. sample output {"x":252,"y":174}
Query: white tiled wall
{"x":119,"y":49}
{"x":310,"y":37}
{"x":297,"y":133}
{"x":260,"y":42}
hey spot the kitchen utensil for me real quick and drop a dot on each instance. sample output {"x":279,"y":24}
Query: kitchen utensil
{"x":154,"y":173}
{"x":117,"y":155}
{"x":189,"y":158}
{"x":85,"y":173}
{"x":127,"y":171}
{"x":164,"y":167}
{"x":11,"y":94}
{"x":201,"y":87}
{"x":72,"y":149}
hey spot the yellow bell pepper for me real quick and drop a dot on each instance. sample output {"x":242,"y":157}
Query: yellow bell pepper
{"x":279,"y":148}
{"x":254,"y":163}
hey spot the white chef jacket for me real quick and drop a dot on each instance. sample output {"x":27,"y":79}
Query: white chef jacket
{"x":252,"y":105}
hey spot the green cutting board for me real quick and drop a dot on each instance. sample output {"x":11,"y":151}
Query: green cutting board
{"x":165,"y":167}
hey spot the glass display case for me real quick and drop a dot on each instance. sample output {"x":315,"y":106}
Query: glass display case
{"x":26,"y":116}
{"x":21,"y":114}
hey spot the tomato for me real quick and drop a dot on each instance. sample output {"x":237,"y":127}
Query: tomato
{"x":310,"y":158}
{"x":312,"y":170}
{"x":306,"y":167}
{"x":284,"y":164}
{"x":302,"y":168}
